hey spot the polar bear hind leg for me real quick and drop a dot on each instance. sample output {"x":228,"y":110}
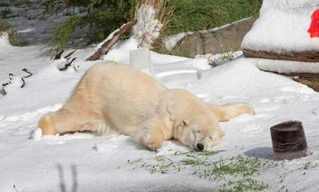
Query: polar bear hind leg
{"x":230,"y":111}
{"x":62,"y":122}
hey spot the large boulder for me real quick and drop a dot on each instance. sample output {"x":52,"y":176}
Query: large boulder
{"x":218,"y":40}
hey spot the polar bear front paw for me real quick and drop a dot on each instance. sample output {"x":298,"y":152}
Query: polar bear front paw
{"x":150,"y":139}
{"x":153,"y":145}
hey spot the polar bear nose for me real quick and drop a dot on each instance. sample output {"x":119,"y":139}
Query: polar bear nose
{"x":199,"y":147}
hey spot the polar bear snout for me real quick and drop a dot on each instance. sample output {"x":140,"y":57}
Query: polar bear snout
{"x":207,"y":143}
{"x":199,"y":147}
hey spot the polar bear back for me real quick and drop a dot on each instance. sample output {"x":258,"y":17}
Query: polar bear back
{"x":125,"y":96}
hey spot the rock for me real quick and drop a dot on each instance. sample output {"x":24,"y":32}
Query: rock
{"x":33,"y":24}
{"x":218,"y":40}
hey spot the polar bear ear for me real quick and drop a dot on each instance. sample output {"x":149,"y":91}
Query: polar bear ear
{"x":185,"y":123}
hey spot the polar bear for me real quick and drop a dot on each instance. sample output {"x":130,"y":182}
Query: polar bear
{"x":116,"y":98}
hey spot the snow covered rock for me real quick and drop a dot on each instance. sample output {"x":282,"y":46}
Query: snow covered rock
{"x":287,"y":67}
{"x":281,"y":32}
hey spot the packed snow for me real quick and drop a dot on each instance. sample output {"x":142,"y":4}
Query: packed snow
{"x":282,"y":27}
{"x":83,"y":162}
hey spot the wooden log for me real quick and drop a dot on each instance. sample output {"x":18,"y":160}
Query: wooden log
{"x":303,"y":56}
{"x":288,"y":140}
{"x":110,"y":41}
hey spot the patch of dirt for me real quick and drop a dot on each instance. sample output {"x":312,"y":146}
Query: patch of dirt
{"x":311,"y":80}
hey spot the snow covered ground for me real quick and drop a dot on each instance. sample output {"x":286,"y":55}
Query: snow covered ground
{"x":82,"y":162}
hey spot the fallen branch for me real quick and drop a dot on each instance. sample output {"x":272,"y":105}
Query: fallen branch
{"x":111,"y":40}
{"x":302,"y":56}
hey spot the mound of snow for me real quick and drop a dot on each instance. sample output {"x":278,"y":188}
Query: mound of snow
{"x":121,"y":53}
{"x":160,"y":62}
{"x":242,"y":80}
{"x":282,"y":27}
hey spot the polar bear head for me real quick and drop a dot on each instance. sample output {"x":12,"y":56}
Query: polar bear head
{"x":201,"y":132}
{"x":194,"y":122}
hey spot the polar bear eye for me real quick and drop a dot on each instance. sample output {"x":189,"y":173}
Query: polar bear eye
{"x":184,"y":123}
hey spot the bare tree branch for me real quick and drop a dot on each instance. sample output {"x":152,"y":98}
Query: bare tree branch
{"x":111,"y":40}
